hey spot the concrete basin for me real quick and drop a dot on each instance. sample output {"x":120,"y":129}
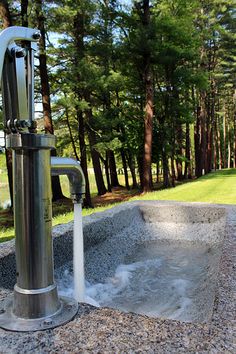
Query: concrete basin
{"x":196,"y":234}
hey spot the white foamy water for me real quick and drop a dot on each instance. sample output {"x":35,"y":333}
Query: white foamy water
{"x":160,"y":279}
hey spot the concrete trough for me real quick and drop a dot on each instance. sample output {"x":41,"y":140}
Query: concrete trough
{"x":115,"y":237}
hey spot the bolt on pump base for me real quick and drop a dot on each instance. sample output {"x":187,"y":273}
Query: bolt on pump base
{"x":35,"y":304}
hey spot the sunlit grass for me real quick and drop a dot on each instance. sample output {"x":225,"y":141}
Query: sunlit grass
{"x":67,"y":217}
{"x":217,"y":187}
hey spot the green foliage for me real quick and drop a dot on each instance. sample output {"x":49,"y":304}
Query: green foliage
{"x":96,"y":69}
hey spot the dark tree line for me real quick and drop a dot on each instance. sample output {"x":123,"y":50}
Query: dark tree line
{"x":150,"y":83}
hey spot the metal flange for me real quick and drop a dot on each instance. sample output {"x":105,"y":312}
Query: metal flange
{"x":10,"y":322}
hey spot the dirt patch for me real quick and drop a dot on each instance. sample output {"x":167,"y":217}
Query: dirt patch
{"x":118,"y":194}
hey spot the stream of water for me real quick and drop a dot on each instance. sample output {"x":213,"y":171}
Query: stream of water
{"x":78,"y":254}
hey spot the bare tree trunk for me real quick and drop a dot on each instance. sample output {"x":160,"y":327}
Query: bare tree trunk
{"x":173,"y":177}
{"x":96,"y":164}
{"x":112,"y":168}
{"x":79,"y":34}
{"x":215,"y":144}
{"x":83,"y":158}
{"x":131,"y":164}
{"x":203,"y":114}
{"x":45,"y":91}
{"x":5,"y":14}
{"x":219,"y":147}
{"x":166,"y":182}
{"x":224,"y":139}
{"x":197,"y":144}
{"x":123,"y":157}
{"x":71,"y":135}
{"x":173,"y":153}
{"x":187,"y":168}
{"x":106,"y":164}
{"x":208,"y":130}
{"x":24,"y":13}
{"x":234,"y":160}
{"x":157,"y":171}
{"x":229,"y":147}
{"x":179,"y":153}
{"x":149,"y":96}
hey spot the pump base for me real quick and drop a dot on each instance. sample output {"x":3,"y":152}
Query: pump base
{"x":10,"y":322}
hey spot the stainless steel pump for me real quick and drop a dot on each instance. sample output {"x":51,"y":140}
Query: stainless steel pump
{"x":35,"y":304}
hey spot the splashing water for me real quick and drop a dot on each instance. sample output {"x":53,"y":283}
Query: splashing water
{"x":167,"y":279}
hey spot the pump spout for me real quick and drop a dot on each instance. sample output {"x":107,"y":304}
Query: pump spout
{"x":74,"y":172}
{"x":71,"y":168}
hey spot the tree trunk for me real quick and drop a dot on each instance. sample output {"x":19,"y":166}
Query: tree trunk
{"x":83,"y":157}
{"x":106,"y":164}
{"x":140,"y":170}
{"x":224,"y":139}
{"x":5,"y":14}
{"x":157,"y":171}
{"x":215,"y":144}
{"x":132,"y":169}
{"x":234,"y":160}
{"x":229,"y":148}
{"x":122,"y":152}
{"x":45,"y":91}
{"x":179,"y":152}
{"x":207,"y":159}
{"x":112,"y":168}
{"x":173,"y":148}
{"x":79,"y":34}
{"x":96,"y":164}
{"x":203,"y":114}
{"x":149,"y":96}
{"x":173,"y":177}
{"x":219,"y":148}
{"x":197,"y":144}
{"x":24,"y":11}
{"x":166,"y":182}
{"x":187,"y":168}
{"x":71,"y":135}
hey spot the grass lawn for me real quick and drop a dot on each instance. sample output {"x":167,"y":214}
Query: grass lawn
{"x":217,"y":187}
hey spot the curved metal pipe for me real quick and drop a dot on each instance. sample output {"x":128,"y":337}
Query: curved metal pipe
{"x":73,"y":170}
{"x":14,"y":33}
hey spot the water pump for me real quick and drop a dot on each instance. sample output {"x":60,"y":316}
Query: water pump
{"x":35,"y":304}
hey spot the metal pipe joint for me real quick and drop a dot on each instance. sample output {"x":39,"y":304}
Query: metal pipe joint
{"x":73,"y":170}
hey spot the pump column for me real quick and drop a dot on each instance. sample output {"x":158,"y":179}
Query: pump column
{"x":33,"y":221}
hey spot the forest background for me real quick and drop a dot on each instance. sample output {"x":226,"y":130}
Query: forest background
{"x":148,"y":86}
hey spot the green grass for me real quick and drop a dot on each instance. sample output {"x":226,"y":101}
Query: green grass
{"x":4,"y":191}
{"x":217,"y":187}
{"x":7,"y":234}
{"x":67,"y":217}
